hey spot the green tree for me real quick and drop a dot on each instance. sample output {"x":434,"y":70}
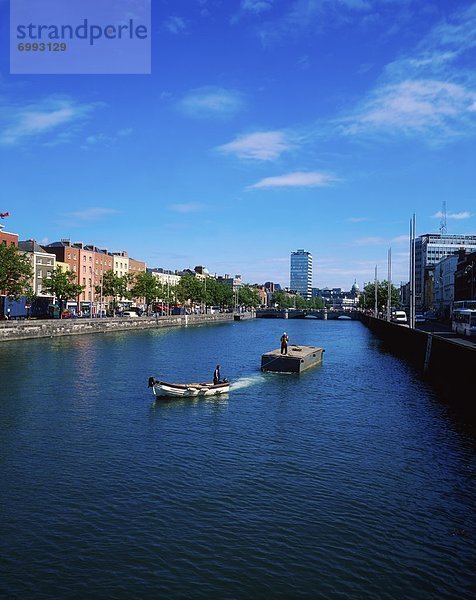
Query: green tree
{"x":146,"y":286}
{"x":217,"y":293}
{"x":127,"y":280}
{"x":115,"y":287}
{"x":367,"y":298}
{"x":282,"y":299}
{"x":223,"y":295}
{"x":248,"y":296}
{"x":190,"y":288}
{"x":15,"y":272}
{"x":62,"y":285}
{"x":167,"y":293}
{"x":300,"y":302}
{"x":316,"y":303}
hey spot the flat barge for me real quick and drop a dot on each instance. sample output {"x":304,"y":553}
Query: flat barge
{"x":297,"y":360}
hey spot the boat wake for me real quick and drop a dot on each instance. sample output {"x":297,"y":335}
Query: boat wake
{"x":244,"y":382}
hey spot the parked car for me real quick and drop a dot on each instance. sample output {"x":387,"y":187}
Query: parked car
{"x":399,"y":316}
{"x":130,"y":313}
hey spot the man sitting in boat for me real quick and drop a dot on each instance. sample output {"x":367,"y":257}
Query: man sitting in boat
{"x":216,"y":375}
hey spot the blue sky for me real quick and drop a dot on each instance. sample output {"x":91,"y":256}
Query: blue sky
{"x":264,"y":127}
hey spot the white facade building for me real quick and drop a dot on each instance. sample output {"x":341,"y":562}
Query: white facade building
{"x":430,"y":248}
{"x":42,"y":262}
{"x":444,"y":284}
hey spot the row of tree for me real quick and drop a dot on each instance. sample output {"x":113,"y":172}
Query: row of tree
{"x":283,"y":300}
{"x":208,"y":292}
{"x":366,"y":299}
{"x":16,"y":275}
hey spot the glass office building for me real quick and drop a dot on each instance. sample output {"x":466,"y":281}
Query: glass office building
{"x":301,"y":273}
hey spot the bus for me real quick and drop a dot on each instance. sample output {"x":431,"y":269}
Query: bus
{"x":463,"y":321}
{"x":464,"y":304}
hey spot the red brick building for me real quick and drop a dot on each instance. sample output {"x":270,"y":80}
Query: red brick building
{"x":8,"y":239}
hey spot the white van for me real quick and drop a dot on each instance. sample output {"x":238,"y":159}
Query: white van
{"x":399,"y":316}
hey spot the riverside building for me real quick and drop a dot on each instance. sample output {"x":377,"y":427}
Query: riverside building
{"x":430,"y":248}
{"x":43,"y":264}
{"x":301,"y":273}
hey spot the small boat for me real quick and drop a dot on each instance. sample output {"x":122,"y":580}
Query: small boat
{"x":182,"y":390}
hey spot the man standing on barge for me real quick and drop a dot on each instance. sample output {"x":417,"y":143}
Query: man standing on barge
{"x":284,"y":343}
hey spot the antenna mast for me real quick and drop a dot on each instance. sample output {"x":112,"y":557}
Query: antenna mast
{"x":443,"y":228}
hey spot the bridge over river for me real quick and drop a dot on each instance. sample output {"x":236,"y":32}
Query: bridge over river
{"x":294,"y":313}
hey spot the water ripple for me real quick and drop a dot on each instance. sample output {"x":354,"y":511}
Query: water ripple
{"x":347,"y":482}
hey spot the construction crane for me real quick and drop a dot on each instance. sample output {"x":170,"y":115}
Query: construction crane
{"x":3,"y":215}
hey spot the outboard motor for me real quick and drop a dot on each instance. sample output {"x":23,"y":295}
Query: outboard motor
{"x":151,"y":381}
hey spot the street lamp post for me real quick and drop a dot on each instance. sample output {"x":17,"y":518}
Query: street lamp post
{"x":470,"y":270}
{"x":375,"y":295}
{"x":389,"y":285}
{"x":101,"y":296}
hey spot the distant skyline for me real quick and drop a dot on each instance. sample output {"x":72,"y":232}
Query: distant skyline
{"x":265,"y":126}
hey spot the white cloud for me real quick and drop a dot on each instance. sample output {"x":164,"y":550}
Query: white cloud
{"x":304,"y":62}
{"x":261,"y":145}
{"x":296,"y":179}
{"x":97,"y":139}
{"x":358,"y":219}
{"x":370,"y":241}
{"x":416,"y":106}
{"x":107,"y":140}
{"x":430,"y":92}
{"x":92,"y":214}
{"x":185,"y":208}
{"x":380,"y":241}
{"x":47,"y":118}
{"x":256,"y":6}
{"x":313,"y":16}
{"x":125,"y":132}
{"x":457,"y":216}
{"x":176,"y":25}
{"x":211,"y":101}
{"x":401,"y":239}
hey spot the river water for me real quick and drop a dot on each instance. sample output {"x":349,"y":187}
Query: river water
{"x":352,"y":480}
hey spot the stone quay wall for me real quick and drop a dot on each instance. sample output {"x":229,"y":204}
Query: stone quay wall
{"x":448,"y":364}
{"x":48,"y":328}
